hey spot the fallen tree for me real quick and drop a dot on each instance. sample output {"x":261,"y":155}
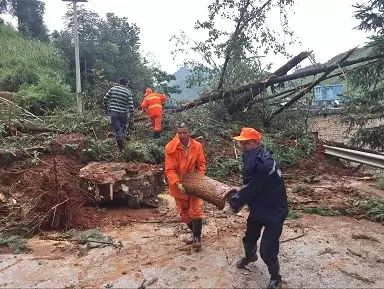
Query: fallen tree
{"x":260,"y":86}
{"x":308,"y":88}
{"x":249,"y":93}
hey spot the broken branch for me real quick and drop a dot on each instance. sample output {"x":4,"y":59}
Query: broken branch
{"x":255,"y":87}
{"x":313,"y":84}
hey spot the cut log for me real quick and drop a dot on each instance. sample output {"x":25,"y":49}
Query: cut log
{"x":138,"y":184}
{"x":207,"y":189}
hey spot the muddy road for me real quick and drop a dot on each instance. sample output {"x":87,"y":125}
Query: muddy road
{"x":316,"y":251}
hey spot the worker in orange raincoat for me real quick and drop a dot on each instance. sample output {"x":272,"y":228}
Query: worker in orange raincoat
{"x":184,"y":154}
{"x":153,"y":105}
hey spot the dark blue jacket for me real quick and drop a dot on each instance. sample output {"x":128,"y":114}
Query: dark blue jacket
{"x":263,"y":188}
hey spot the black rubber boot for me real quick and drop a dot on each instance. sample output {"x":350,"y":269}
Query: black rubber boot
{"x":250,"y":255}
{"x":190,"y":226}
{"x":189,"y":239}
{"x":197,"y":228}
{"x":120,"y":144}
{"x":275,"y":281}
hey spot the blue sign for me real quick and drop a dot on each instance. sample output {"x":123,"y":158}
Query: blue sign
{"x":328,"y":94}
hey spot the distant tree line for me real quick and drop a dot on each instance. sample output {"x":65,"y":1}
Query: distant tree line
{"x":29,"y":14}
{"x":366,"y":96}
{"x":109,"y":49}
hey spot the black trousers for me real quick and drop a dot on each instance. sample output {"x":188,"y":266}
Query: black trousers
{"x":119,"y":124}
{"x":269,"y":245}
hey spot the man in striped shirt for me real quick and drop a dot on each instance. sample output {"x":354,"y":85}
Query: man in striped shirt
{"x":119,"y":104}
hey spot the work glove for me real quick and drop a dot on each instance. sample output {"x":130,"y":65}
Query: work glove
{"x":181,"y":188}
{"x":228,"y":210}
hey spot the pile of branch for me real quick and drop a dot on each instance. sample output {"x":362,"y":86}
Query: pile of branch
{"x":17,"y":120}
{"x":10,"y":155}
{"x":250,"y":94}
{"x":56,"y":198}
{"x":10,"y":214}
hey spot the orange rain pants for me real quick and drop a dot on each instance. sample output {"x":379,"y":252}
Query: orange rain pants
{"x":189,"y":209}
{"x":156,"y":122}
{"x":179,"y":161}
{"x":152,"y":104}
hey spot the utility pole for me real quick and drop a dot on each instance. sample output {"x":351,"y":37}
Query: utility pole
{"x":77,"y":54}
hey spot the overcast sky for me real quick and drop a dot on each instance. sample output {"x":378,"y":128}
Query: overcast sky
{"x":324,"y":26}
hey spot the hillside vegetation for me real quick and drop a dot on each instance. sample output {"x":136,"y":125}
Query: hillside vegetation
{"x":34,"y":70}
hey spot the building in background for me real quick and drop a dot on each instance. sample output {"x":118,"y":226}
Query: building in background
{"x":329,"y":95}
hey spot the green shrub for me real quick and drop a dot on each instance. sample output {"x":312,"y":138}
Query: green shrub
{"x":98,"y":150}
{"x":89,"y":122}
{"x":222,"y":167}
{"x":379,"y":183}
{"x":322,"y":211}
{"x":374,"y":209}
{"x":2,"y":130}
{"x":143,"y":152}
{"x":17,"y":243}
{"x":47,"y":94}
{"x":289,"y":152}
{"x":35,"y":70}
{"x":15,"y":73}
{"x":293,"y":215}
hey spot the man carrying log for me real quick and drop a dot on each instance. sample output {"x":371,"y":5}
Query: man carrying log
{"x":264,"y":192}
{"x":184,"y":154}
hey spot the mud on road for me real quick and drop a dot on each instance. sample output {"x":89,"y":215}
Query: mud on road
{"x":316,"y":251}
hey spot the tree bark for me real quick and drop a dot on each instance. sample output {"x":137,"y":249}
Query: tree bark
{"x":207,"y":189}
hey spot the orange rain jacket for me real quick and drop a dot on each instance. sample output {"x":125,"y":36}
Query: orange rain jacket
{"x":179,"y":161}
{"x":153,"y":103}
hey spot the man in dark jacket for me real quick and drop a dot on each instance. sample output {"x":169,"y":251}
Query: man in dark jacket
{"x":264,"y":192}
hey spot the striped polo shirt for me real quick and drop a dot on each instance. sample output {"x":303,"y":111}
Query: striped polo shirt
{"x":119,"y":99}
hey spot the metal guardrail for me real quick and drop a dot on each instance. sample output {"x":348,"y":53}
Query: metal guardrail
{"x":375,"y":160}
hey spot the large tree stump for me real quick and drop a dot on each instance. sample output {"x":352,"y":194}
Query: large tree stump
{"x":207,"y":189}
{"x":137,"y":184}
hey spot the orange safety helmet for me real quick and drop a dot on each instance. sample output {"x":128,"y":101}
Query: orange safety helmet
{"x":248,"y":133}
{"x":148,"y":90}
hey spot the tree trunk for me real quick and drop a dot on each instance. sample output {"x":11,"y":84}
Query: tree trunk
{"x":136,"y":183}
{"x":251,"y":90}
{"x":256,"y":88}
{"x":303,"y":92}
{"x":207,"y":189}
